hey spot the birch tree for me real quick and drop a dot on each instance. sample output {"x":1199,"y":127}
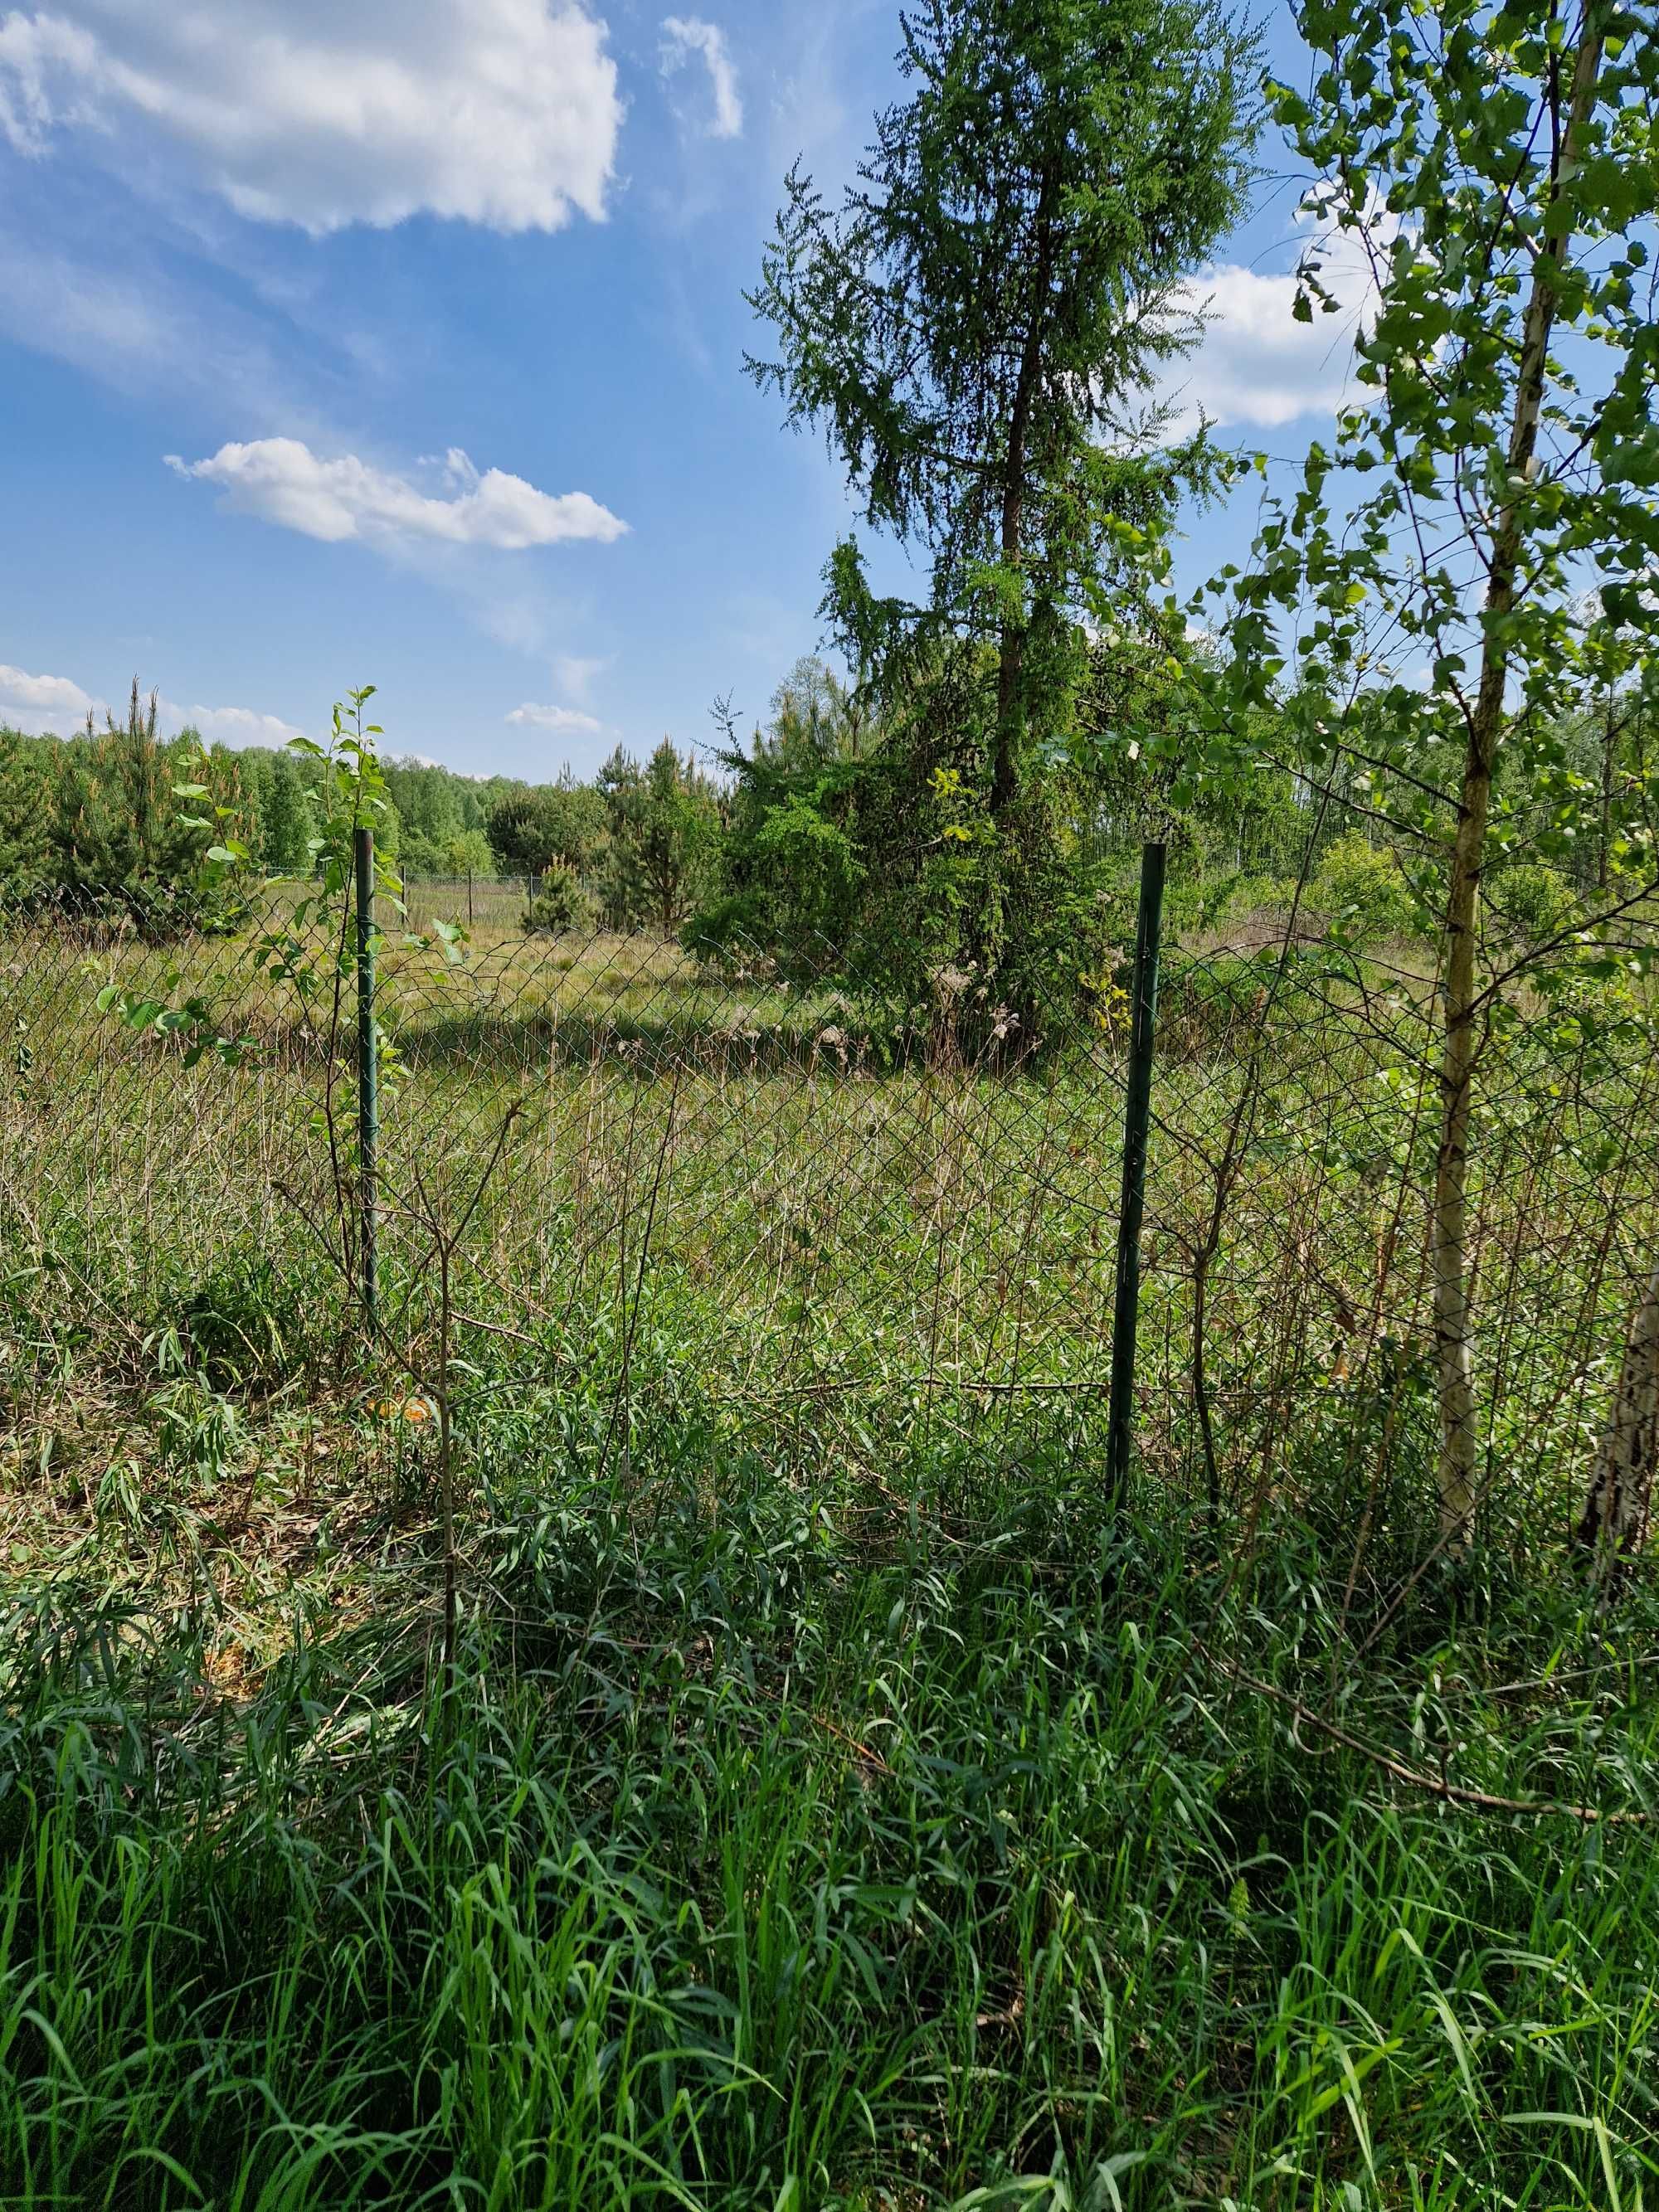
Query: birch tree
{"x":1495,"y":169}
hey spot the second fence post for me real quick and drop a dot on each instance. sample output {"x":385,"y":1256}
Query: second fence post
{"x":368,"y":1075}
{"x":1137,"y":1123}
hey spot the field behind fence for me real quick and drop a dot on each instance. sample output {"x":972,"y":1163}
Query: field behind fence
{"x":717,"y":1194}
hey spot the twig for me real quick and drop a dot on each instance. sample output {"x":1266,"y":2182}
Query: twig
{"x":1571,"y":1675}
{"x":1479,"y":1800}
{"x":822,"y":1721}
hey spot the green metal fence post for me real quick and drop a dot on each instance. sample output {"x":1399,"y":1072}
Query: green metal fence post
{"x":1137,"y":1120}
{"x":368,"y":1073}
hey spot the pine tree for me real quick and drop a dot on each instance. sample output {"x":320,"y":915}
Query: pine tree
{"x":289,"y":824}
{"x":120,"y":834}
{"x":26,"y":782}
{"x":664,"y":823}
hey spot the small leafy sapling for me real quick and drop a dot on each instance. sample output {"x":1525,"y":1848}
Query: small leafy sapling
{"x":190,"y":1021}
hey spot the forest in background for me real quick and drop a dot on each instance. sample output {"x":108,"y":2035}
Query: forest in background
{"x":831,"y":835}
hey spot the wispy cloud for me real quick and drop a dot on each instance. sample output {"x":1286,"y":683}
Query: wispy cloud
{"x":683,"y":36}
{"x":281,"y":480}
{"x":567,"y":720}
{"x":576,"y":674}
{"x":110,"y":309}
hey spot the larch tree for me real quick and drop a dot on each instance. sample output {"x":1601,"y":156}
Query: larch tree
{"x":977,"y":326}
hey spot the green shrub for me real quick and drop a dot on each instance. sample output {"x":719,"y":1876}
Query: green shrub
{"x":562,"y":907}
{"x":727,"y":929}
{"x":1532,"y":903}
{"x":1364,"y":889}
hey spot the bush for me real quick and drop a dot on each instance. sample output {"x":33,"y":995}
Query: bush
{"x":1532,"y":903}
{"x":562,"y":907}
{"x":1364,"y":889}
{"x":733,"y":929}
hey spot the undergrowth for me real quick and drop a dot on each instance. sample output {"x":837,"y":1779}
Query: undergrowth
{"x":835,"y":1805}
{"x":784,"y":1844}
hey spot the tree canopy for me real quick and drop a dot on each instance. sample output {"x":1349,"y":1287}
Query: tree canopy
{"x":977,"y":326}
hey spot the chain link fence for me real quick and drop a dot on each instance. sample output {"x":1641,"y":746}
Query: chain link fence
{"x":714,"y":1194}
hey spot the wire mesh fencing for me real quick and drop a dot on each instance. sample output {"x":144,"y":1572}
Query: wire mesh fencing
{"x":706,"y":1193}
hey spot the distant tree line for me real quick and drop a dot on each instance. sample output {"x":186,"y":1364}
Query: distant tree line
{"x":838,"y":835}
{"x":102,"y":815}
{"x":100,"y":811}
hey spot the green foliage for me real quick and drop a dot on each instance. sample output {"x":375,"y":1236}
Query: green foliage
{"x":251,"y":1324}
{"x":351,"y":792}
{"x":430,"y":802}
{"x":1005,"y":274}
{"x":187,"y":1019}
{"x":137,"y":825}
{"x":1363,"y":890}
{"x":663,"y":826}
{"x":1533,"y":905}
{"x":1496,"y":174}
{"x":289,"y":820}
{"x":973,"y":329}
{"x":562,"y":906}
{"x":27,"y":774}
{"x":469,"y":853}
{"x":790,"y":868}
{"x":1438,"y":157}
{"x":95,"y":812}
{"x":924,"y":1830}
{"x":859,"y":840}
{"x":835,"y":1805}
{"x":559,"y":824}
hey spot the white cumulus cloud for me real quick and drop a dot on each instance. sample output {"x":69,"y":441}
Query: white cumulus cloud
{"x":685,"y":35}
{"x":281,"y":480}
{"x":326,"y":113}
{"x":46,"y":702}
{"x":566,"y":719}
{"x":1257,"y":366}
{"x":231,"y":726}
{"x":59,"y":705}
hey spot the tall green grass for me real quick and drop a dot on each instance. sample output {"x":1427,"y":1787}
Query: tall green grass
{"x":765,"y":1855}
{"x":833,"y":1805}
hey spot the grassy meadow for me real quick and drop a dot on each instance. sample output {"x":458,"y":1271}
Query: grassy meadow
{"x":834,"y":1800}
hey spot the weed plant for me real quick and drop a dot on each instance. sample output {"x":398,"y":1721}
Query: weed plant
{"x":781,"y":1846}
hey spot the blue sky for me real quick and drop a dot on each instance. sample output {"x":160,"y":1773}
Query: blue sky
{"x":343,"y":341}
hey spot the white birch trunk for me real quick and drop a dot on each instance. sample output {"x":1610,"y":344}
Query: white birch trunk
{"x":1461,"y":1001}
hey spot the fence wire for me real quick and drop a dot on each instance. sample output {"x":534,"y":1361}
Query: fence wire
{"x":677,"y":1184}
